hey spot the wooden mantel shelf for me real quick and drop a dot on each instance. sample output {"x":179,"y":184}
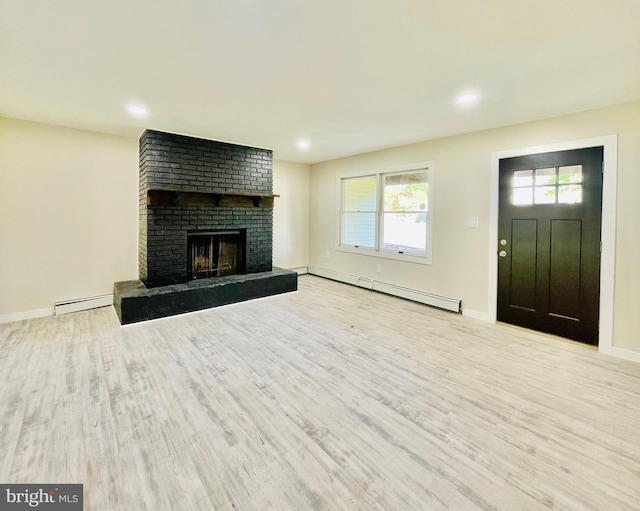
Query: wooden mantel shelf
{"x":184,"y":197}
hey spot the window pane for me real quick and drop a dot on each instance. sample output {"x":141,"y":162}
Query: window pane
{"x":522,"y":178}
{"x":359,"y":193}
{"x":546,"y":176}
{"x":572,"y":174}
{"x":359,"y":229}
{"x":545,"y":195}
{"x":570,"y":194}
{"x":405,"y":232}
{"x":523,"y":196}
{"x":406,"y":192}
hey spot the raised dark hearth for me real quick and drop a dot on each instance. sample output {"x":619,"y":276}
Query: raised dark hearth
{"x":206,"y":214}
{"x":136,"y":302}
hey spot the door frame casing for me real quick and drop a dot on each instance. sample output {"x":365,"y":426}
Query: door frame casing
{"x":608,"y":229}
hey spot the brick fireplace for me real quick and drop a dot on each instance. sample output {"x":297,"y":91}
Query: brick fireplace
{"x":205,"y":227}
{"x":189,"y":185}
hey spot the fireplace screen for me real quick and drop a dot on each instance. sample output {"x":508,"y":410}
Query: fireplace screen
{"x":215,"y":254}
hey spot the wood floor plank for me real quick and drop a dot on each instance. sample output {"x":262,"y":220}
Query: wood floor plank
{"x":330,"y":398}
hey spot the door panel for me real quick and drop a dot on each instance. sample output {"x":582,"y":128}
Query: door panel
{"x":549,"y":223}
{"x":564,"y":268}
{"x":524,"y":235}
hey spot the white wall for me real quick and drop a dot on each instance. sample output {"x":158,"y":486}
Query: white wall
{"x":68,"y":214}
{"x":291,"y":214}
{"x":461,"y":189}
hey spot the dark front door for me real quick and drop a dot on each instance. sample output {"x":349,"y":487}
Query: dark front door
{"x":550,"y":209}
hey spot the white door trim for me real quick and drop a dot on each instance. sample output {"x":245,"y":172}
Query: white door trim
{"x":608,"y":256}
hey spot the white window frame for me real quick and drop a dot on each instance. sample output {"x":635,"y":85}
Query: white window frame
{"x":377,"y":251}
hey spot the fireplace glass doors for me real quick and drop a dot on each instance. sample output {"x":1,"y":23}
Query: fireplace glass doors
{"x":215,"y":254}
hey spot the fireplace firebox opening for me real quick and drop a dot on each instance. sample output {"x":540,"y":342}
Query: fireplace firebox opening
{"x":215,"y":253}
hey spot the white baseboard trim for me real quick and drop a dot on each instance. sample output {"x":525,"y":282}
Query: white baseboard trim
{"x":482,"y":316}
{"x":83,"y":304}
{"x":19,"y":316}
{"x":633,"y":356}
{"x":340,"y":277}
{"x":300,"y":270}
{"x":442,"y":302}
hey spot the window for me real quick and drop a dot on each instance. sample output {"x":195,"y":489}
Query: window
{"x":387,"y":213}
{"x":553,"y":185}
{"x":359,"y":211}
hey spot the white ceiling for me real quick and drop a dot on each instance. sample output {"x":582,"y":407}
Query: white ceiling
{"x":349,"y":75}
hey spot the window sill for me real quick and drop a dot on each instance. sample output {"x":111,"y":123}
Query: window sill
{"x":385,"y":254}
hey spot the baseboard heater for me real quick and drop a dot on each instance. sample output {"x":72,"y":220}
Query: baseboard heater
{"x":82,"y":304}
{"x":442,"y":302}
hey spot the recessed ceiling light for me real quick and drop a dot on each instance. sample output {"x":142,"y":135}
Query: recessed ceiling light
{"x":303,"y":144}
{"x":137,"y":110}
{"x":465,"y":99}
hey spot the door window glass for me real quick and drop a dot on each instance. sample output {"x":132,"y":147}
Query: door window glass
{"x":546,"y":176}
{"x":522,"y":187}
{"x":570,"y":184}
{"x":545,"y":195}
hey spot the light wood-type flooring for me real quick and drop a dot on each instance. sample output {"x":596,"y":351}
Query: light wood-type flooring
{"x":333,"y":397}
